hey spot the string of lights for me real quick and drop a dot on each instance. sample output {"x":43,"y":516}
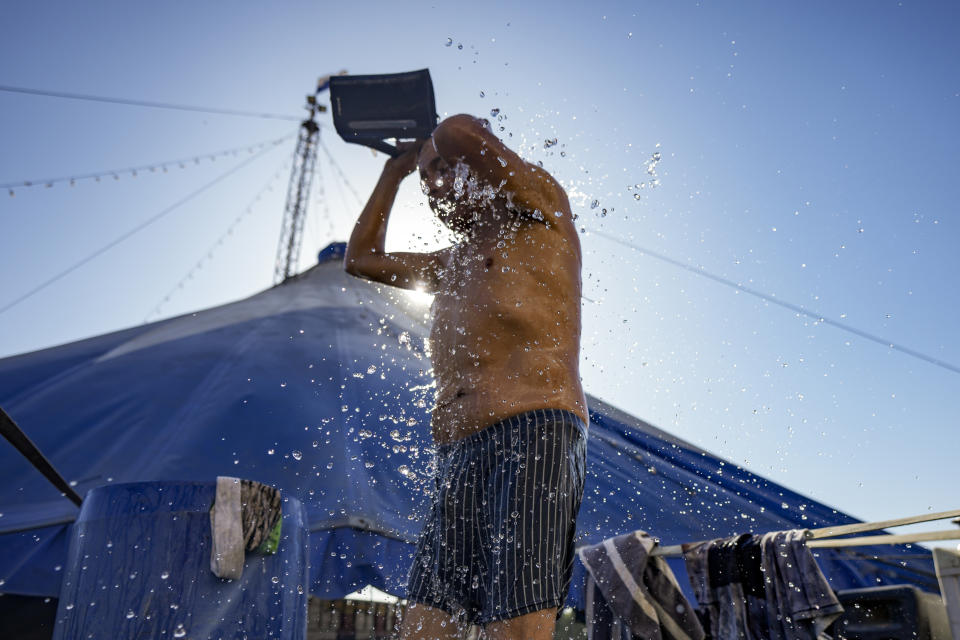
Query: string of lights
{"x":324,"y":213}
{"x":140,"y":227}
{"x":343,"y":176}
{"x":147,"y":103}
{"x":343,"y":198}
{"x":208,"y":254}
{"x":153,"y":167}
{"x":783,"y":303}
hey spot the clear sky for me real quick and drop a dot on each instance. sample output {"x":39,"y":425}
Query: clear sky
{"x":808,"y":150}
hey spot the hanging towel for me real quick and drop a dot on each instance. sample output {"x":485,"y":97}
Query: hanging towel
{"x":728,"y":583}
{"x":630,"y":590}
{"x":752,"y":588}
{"x":715,"y":574}
{"x":796,"y":588}
{"x":245,"y":516}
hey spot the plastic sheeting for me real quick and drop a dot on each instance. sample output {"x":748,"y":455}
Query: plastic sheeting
{"x":320,"y":387}
{"x":139,"y":567}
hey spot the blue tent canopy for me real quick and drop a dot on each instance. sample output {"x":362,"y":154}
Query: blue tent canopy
{"x":320,"y":386}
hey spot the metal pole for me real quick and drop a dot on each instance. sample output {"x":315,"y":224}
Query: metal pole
{"x":23,"y":444}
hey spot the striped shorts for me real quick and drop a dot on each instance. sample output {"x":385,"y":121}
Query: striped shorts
{"x":498,"y":542}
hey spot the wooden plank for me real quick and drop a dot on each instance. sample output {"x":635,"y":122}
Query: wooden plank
{"x":947,"y":563}
{"x":904,"y":538}
{"x":676,"y":550}
{"x":860,"y":527}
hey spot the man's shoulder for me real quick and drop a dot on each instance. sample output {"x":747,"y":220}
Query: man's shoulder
{"x":542,"y":183}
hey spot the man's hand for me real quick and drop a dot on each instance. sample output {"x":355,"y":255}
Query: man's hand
{"x":405,"y":163}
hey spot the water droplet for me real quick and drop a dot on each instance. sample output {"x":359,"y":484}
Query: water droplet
{"x":594,"y":204}
{"x":459,"y":46}
{"x":131,"y":615}
{"x":448,"y":43}
{"x":275,"y":580}
{"x":270,"y":452}
{"x":494,"y":113}
{"x":549,"y":143}
{"x":164,"y":575}
{"x":482,"y":94}
{"x":297,"y":455}
{"x":179,"y":632}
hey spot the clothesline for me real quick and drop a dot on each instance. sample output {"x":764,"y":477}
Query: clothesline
{"x":818,"y":537}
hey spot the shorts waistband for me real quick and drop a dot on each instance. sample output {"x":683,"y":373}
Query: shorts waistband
{"x":535,"y":417}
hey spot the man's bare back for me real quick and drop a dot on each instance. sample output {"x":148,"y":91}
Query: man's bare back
{"x":505,"y":337}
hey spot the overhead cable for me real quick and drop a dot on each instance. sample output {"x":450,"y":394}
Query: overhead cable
{"x":208,"y":254}
{"x":152,"y":167}
{"x":783,"y":303}
{"x":147,"y":103}
{"x":140,"y":227}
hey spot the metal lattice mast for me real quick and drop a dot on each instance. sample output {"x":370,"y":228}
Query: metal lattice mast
{"x":298,"y":196}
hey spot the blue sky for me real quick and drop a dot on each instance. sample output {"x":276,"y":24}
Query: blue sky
{"x":807,"y":151}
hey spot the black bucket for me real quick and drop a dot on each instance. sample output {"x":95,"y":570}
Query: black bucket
{"x":369,"y":109}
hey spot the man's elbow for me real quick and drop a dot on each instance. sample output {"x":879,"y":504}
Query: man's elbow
{"x":352,"y":263}
{"x":351,"y":268}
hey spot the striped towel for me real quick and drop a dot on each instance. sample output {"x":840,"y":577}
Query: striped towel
{"x":633,"y":595}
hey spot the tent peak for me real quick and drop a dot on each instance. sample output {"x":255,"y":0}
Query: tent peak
{"x":333,"y":251}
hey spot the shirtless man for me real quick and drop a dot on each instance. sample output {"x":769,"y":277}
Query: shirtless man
{"x":510,"y":415}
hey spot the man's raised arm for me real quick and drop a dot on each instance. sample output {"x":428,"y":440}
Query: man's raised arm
{"x":366,"y":256}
